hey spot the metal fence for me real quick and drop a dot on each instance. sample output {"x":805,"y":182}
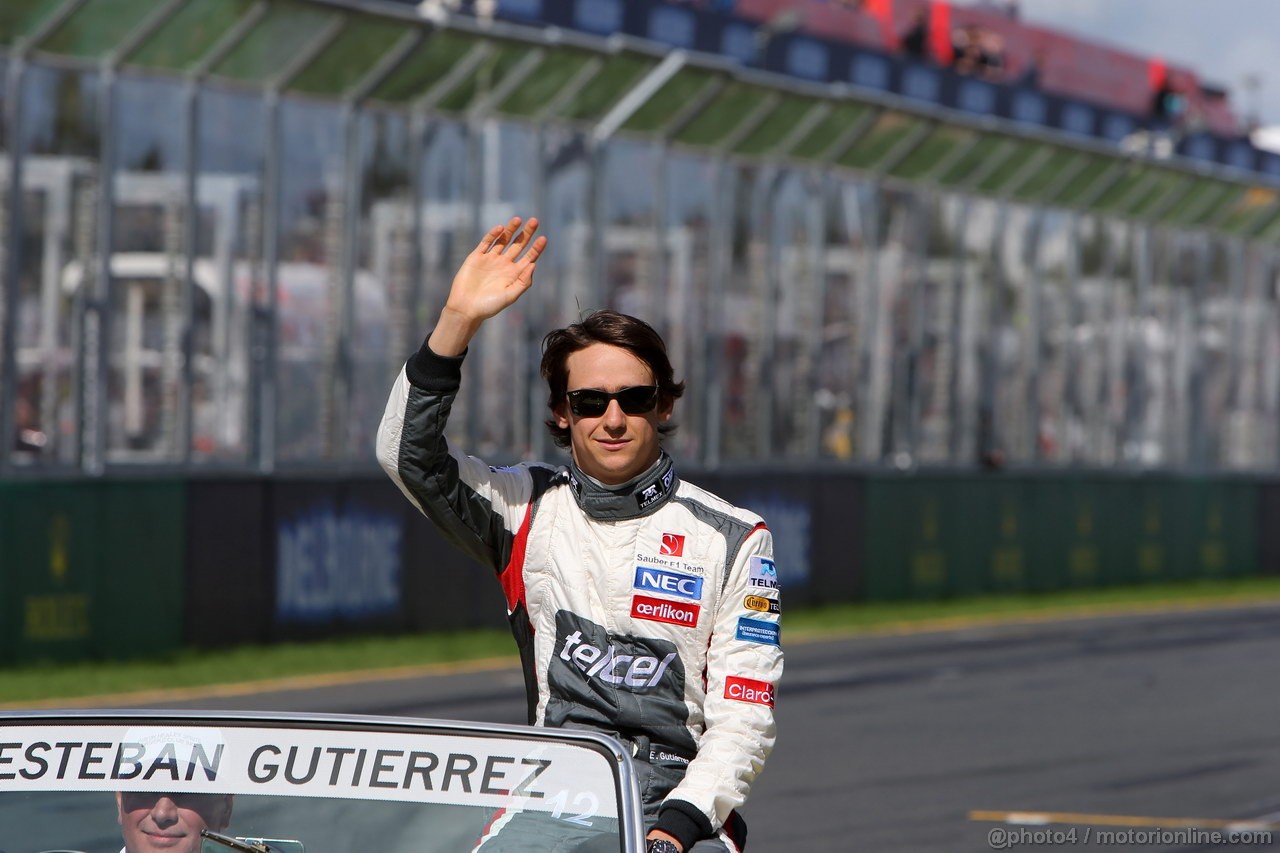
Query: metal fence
{"x":203,"y":273}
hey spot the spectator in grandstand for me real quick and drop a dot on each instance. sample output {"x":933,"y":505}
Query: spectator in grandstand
{"x":837,"y":439}
{"x":1168,"y":106}
{"x":991,"y":62}
{"x":978,"y":51}
{"x":1211,"y":100}
{"x":27,"y":437}
{"x":990,"y":454}
{"x":964,"y":49}
{"x":915,"y":39}
{"x":1031,"y":72}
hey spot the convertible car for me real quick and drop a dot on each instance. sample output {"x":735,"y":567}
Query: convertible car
{"x":140,"y":782}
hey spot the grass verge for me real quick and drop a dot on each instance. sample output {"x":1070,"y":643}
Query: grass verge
{"x":201,"y":668}
{"x":868,"y":618}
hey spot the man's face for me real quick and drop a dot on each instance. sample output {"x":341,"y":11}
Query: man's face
{"x":169,"y":822}
{"x":615,"y":446}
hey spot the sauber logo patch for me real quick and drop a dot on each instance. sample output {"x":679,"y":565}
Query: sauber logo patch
{"x":657,"y":610}
{"x":761,"y":604}
{"x":670,"y":583}
{"x":764,"y":574}
{"x":748,"y":690}
{"x":672,"y":545}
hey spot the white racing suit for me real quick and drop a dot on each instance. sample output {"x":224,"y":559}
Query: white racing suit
{"x":648,"y":611}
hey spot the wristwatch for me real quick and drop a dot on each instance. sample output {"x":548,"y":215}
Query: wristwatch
{"x":661,"y":845}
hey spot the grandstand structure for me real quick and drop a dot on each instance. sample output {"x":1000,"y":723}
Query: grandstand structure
{"x":228,"y":222}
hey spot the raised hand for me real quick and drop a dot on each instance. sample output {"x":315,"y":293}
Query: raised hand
{"x":496,"y":274}
{"x":492,"y":277}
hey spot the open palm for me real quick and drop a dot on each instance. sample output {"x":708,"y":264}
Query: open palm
{"x":496,"y":273}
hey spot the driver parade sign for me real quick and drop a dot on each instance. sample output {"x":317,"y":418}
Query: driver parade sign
{"x":418,"y":767}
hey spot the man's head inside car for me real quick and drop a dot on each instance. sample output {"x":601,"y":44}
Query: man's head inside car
{"x":169,"y":821}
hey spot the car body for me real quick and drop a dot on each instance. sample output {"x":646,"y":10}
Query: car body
{"x":305,"y":783}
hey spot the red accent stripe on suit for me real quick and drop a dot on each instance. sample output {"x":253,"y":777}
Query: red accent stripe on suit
{"x":512,"y":576}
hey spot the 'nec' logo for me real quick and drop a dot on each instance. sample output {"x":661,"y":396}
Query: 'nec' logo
{"x":670,"y":583}
{"x":672,"y":545}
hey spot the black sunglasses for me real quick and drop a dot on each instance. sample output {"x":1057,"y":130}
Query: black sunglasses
{"x":592,"y":402}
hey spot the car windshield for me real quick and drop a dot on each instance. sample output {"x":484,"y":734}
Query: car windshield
{"x":206,"y":784}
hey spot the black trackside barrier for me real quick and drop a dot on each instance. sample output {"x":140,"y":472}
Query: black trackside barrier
{"x":787,"y":503}
{"x":445,"y":589}
{"x":338,"y":550}
{"x":817,"y":526}
{"x":95,"y":568}
{"x":228,"y":600}
{"x":275,"y":560}
{"x":839,"y":531}
{"x":1269,"y":528}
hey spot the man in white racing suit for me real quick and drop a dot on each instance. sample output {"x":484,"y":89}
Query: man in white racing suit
{"x":642,"y":606}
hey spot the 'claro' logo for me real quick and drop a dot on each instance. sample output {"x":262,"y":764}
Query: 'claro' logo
{"x":748,"y":690}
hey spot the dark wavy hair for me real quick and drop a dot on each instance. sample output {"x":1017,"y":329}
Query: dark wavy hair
{"x":605,"y":327}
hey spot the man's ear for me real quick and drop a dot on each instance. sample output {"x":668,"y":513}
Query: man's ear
{"x":561,"y":414}
{"x":119,"y":808}
{"x":666,"y":406}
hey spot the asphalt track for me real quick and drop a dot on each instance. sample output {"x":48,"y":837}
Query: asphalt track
{"x":894,"y":742}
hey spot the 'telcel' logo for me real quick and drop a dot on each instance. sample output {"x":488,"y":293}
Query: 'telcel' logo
{"x":612,"y":666}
